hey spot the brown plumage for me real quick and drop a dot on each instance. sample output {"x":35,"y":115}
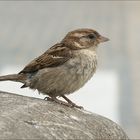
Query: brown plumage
{"x":55,"y":56}
{"x":64,"y":68}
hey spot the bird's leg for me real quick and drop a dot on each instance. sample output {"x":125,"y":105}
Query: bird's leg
{"x":70,"y":102}
{"x":51,"y":98}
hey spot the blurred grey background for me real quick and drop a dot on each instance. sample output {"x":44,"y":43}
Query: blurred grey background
{"x":27,"y":29}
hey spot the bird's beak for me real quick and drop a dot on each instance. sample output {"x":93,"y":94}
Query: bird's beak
{"x":103,"y":39}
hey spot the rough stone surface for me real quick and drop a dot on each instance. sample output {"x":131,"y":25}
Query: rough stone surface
{"x":30,"y":118}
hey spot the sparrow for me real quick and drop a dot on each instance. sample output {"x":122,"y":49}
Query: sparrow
{"x":64,"y":68}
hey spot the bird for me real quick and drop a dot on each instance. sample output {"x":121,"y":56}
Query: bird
{"x":64,"y":68}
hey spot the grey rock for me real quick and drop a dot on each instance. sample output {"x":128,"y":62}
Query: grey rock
{"x":30,"y":118}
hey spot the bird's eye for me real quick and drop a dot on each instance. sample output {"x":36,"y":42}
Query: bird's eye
{"x":91,"y":36}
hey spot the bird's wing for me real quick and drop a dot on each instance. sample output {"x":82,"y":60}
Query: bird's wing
{"x":53,"y":57}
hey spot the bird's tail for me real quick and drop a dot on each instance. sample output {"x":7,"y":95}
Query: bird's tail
{"x":14,"y":77}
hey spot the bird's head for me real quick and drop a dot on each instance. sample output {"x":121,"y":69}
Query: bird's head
{"x":83,"y":38}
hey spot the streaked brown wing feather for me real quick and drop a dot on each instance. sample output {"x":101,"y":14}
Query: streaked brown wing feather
{"x":55,"y":56}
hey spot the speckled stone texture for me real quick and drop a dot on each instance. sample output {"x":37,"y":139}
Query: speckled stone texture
{"x":29,"y":118}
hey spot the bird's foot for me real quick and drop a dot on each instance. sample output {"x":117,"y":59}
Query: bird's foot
{"x":71,"y":104}
{"x":74,"y":105}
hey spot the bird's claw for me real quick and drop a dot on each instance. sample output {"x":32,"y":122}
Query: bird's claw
{"x":62,"y":102}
